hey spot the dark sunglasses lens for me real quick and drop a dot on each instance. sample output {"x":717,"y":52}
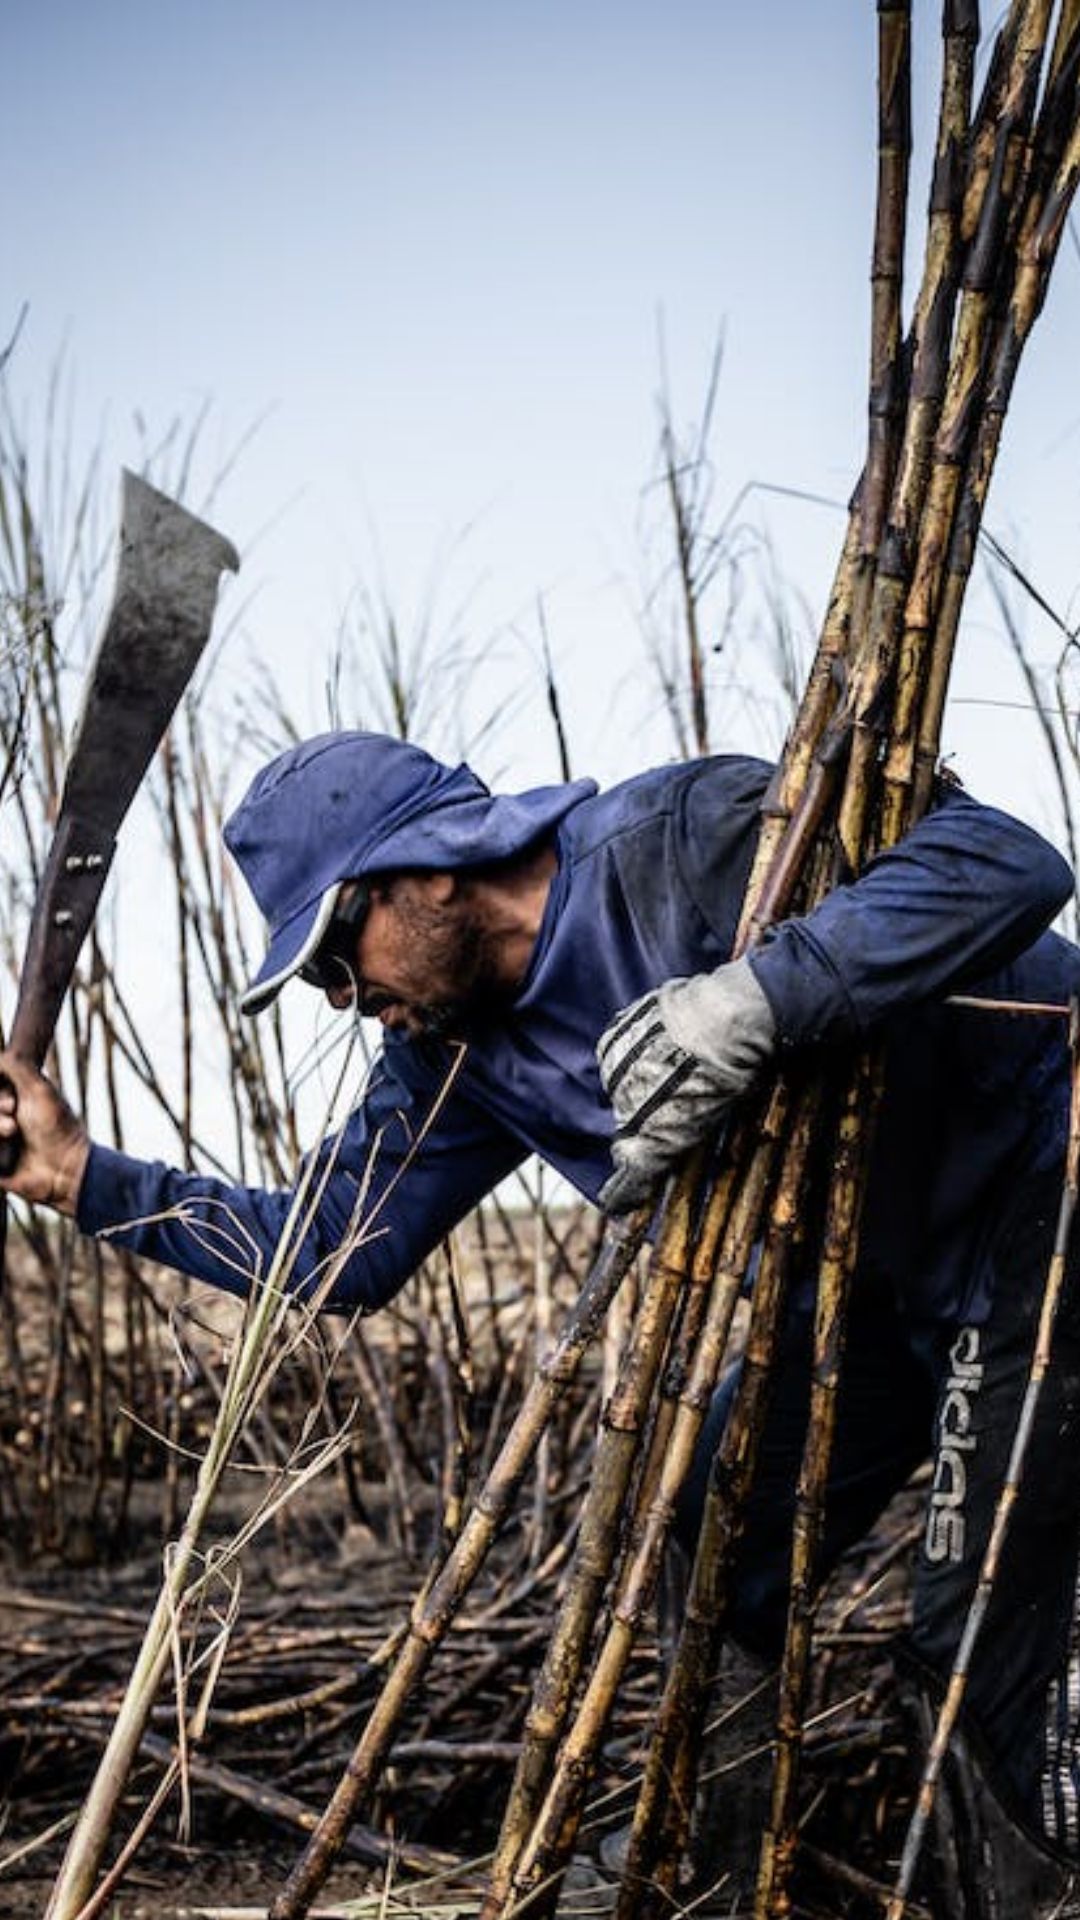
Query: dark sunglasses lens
{"x":312,"y":973}
{"x":333,"y":964}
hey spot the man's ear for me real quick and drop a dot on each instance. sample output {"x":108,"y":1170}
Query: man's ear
{"x":442,"y":886}
{"x":437,"y":886}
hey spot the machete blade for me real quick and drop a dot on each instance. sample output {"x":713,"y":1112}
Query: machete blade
{"x":167,"y":575}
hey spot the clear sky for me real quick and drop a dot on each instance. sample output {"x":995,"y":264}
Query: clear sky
{"x":425,"y":246}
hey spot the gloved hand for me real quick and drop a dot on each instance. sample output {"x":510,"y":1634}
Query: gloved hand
{"x":672,"y":1064}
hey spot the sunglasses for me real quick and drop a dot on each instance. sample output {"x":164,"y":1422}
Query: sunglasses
{"x":333,"y":962}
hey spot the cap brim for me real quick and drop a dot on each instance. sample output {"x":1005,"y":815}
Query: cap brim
{"x":291,"y":947}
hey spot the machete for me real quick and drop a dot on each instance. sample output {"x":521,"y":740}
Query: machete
{"x":167,"y":576}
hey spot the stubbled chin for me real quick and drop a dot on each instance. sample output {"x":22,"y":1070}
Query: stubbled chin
{"x":423,"y":1023}
{"x":407,"y":1020}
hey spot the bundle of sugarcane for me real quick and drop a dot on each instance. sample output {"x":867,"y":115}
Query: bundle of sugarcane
{"x":858,"y":768}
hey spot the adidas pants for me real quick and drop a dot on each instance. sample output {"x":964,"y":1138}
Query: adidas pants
{"x":951,"y":1392}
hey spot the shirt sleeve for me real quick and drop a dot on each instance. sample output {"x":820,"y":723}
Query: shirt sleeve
{"x":409,"y":1163}
{"x":967,"y":890}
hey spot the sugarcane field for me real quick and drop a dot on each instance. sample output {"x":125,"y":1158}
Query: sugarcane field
{"x":540,"y":1093}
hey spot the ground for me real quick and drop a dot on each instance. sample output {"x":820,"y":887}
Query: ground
{"x":324,"y":1590}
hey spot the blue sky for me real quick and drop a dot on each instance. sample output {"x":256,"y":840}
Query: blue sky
{"x":425,"y":246}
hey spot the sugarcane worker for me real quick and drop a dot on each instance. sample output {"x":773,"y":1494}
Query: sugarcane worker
{"x":503,"y":940}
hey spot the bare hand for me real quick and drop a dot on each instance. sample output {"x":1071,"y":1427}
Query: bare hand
{"x":53,"y":1143}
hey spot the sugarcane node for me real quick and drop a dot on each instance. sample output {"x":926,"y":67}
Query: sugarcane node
{"x":894,"y":553}
{"x":928,"y":373}
{"x":875,"y":715}
{"x":960,"y":20}
{"x":947,"y":177}
{"x":954,"y":439}
{"x":883,"y":402}
{"x":774,"y":807}
{"x":834,"y":746}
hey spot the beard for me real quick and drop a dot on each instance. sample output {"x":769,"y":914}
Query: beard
{"x":456,"y":986}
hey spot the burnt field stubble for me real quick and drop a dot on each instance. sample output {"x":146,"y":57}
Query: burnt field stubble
{"x":309,"y":1616}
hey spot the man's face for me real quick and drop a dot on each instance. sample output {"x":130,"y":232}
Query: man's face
{"x":421,"y":960}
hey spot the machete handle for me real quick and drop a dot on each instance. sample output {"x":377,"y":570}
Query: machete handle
{"x":75,"y":873}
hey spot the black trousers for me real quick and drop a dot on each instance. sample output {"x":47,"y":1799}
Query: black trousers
{"x":950,"y":1392}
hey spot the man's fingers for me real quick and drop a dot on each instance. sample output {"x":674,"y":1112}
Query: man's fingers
{"x":627,"y":1190}
{"x":622,"y":1044}
{"x":637,"y":1119}
{"x":10,"y":1137}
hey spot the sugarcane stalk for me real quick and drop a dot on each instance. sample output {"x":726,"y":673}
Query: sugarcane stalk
{"x":816,"y":752}
{"x":936,"y":602}
{"x":665,"y":1802}
{"x":875,"y":666}
{"x":932,"y":332}
{"x":598,"y":1537}
{"x":877,"y":662}
{"x":905,"y":605}
{"x":554,"y":1830}
{"x":984,"y":131}
{"x":932,"y":324}
{"x":839,"y":1255}
{"x":996,"y":138}
{"x":1063,"y":56}
{"x":1007,"y":1498}
{"x":839,"y":1252}
{"x":967,"y":375}
{"x":874,"y":659}
{"x":887,"y":269}
{"x":437,"y":1607}
{"x":693,"y":1309}
{"x":1038,"y":246}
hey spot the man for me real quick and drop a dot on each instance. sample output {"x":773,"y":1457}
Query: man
{"x":501,"y":939}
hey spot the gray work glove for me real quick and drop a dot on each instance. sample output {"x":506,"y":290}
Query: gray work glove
{"x":671,"y":1065}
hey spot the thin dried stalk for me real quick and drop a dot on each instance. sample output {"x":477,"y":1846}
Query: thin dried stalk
{"x":792,"y":809}
{"x":247,"y":1377}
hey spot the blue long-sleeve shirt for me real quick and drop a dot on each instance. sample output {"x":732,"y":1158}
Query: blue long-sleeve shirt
{"x":649,"y":885}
